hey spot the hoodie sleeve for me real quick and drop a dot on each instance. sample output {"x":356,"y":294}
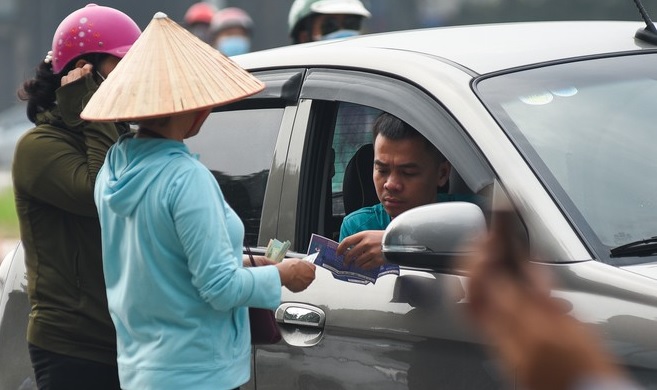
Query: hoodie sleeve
{"x":60,"y":169}
{"x":211,"y":234}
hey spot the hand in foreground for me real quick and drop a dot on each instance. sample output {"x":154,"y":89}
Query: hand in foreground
{"x":538,"y":343}
{"x":259,"y":261}
{"x":296,"y":274}
{"x":76,"y":74}
{"x":363,"y":249}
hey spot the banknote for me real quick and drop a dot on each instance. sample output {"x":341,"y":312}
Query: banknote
{"x":276,"y":250}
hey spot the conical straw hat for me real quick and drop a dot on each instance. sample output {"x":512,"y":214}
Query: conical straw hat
{"x":168,"y":71}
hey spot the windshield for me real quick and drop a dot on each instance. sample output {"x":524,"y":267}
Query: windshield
{"x":588,"y":130}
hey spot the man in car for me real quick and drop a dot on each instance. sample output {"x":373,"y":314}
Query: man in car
{"x":408,"y":170}
{"x":316,"y":20}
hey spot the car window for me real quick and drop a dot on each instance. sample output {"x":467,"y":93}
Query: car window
{"x":238,"y":147}
{"x":353,"y":129}
{"x":349,"y":134}
{"x":590,"y":137}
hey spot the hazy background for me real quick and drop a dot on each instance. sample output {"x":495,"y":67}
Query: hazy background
{"x":27,"y":26}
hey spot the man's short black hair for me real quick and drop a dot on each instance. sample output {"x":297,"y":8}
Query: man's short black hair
{"x":393,"y":128}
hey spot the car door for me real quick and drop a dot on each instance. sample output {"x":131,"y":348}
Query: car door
{"x":245,"y":147}
{"x":401,"y":332}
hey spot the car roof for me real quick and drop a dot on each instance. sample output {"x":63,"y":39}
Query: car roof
{"x":478,"y":49}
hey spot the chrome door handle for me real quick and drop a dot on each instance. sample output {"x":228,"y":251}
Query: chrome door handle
{"x":292,"y":313}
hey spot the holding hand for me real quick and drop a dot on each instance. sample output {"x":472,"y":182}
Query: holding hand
{"x":363,"y":249}
{"x":296,"y":274}
{"x":76,"y":74}
{"x":259,"y":261}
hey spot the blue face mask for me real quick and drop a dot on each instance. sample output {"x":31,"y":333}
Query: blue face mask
{"x":232,"y":46}
{"x":340,"y":34}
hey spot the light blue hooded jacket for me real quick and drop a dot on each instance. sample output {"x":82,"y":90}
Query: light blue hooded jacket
{"x":172,"y":259}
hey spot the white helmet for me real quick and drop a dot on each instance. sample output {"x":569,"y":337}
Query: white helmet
{"x":302,"y":8}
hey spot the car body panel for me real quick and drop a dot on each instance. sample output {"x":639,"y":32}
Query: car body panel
{"x":649,"y":269}
{"x":621,"y":306}
{"x":402,"y":332}
{"x":481,"y":49}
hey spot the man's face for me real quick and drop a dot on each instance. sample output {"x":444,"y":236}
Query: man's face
{"x":406,"y":173}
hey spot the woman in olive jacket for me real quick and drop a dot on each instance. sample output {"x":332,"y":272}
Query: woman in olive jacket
{"x":72,"y":342}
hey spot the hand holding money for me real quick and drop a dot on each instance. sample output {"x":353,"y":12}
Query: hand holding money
{"x":276,"y":250}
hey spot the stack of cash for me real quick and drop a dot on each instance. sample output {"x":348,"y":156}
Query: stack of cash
{"x":276,"y":250}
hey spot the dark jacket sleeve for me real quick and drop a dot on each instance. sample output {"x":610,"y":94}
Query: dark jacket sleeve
{"x":59,"y":166}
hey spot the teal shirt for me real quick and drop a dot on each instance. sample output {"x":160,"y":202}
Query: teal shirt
{"x":376,"y":218}
{"x":366,"y":218}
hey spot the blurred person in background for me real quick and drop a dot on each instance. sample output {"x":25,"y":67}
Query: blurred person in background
{"x":71,"y":339}
{"x":316,"y":20}
{"x":197,"y":19}
{"x":539,"y":345}
{"x":231,"y":30}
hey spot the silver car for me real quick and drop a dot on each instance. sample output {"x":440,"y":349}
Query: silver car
{"x":554,"y":118}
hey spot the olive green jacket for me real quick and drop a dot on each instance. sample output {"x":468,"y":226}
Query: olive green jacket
{"x":54,"y":172}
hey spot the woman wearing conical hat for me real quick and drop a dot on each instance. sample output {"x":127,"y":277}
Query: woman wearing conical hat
{"x":176,"y":285}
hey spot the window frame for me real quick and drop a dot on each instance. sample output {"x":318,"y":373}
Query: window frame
{"x":323,"y":87}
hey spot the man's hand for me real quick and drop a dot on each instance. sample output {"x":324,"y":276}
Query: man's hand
{"x":363,"y":249}
{"x":76,"y":74}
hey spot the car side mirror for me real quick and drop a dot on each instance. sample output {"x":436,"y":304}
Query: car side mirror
{"x":433,"y":236}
